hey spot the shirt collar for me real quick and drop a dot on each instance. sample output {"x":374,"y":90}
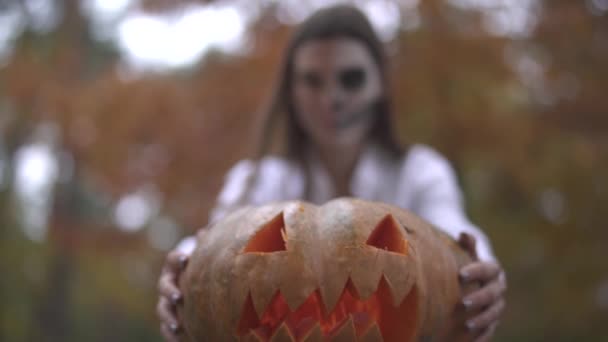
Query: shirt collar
{"x":365,"y":182}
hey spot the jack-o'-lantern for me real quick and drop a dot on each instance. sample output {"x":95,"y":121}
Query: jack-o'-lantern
{"x":349,"y":270}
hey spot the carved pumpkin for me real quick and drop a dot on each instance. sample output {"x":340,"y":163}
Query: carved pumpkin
{"x":348,"y":270}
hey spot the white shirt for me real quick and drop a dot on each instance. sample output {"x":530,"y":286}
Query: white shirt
{"x":422,"y":181}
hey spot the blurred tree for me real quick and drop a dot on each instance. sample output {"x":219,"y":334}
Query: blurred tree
{"x":523,"y":118}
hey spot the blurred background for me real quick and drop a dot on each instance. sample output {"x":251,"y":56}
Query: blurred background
{"x":119,"y":118}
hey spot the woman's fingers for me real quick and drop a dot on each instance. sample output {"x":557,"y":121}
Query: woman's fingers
{"x":480,"y":272}
{"x":176,"y":260}
{"x":167,"y":333}
{"x":167,"y":284}
{"x":168,"y":288}
{"x":170,"y":295}
{"x":485,"y":296}
{"x":468,"y":243}
{"x":166,"y":313}
{"x":487,"y":334}
{"x":489,"y":298}
{"x":487,"y":318}
{"x":169,"y":327}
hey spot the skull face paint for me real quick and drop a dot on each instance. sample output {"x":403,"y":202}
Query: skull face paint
{"x":336,"y":82}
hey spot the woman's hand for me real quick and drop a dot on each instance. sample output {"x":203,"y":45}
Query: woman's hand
{"x":487,"y":299}
{"x":170,"y":295}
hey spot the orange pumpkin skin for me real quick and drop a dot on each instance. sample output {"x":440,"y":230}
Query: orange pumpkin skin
{"x":350,"y":270}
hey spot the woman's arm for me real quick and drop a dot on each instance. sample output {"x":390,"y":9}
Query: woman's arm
{"x":437,"y":198}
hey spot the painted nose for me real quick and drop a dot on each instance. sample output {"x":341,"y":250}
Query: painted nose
{"x":334,"y":99}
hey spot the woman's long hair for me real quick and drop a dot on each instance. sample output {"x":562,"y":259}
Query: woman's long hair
{"x":332,"y":22}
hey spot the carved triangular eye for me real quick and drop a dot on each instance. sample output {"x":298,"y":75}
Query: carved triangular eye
{"x":387,"y":236}
{"x":270,"y":238}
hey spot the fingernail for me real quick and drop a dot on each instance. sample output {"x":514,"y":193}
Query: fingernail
{"x":175,"y":298}
{"x":464,"y":275}
{"x":470,"y":325}
{"x":467,"y":303}
{"x":182,"y":261}
{"x":174,"y":327}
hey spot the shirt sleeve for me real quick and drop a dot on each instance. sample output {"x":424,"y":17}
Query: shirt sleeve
{"x":235,"y":184}
{"x":438,"y":199}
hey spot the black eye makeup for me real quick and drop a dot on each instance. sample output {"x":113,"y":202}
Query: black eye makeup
{"x":311,"y":79}
{"x":352,"y":79}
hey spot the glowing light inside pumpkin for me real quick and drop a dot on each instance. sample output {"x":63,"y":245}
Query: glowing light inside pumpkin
{"x":395,"y":323}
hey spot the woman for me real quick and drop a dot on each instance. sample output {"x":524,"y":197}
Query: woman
{"x":333,"y":93}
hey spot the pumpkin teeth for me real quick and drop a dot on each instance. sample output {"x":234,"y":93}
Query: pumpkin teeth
{"x":263,"y":296}
{"x":366,"y":274}
{"x":352,"y":316}
{"x":295,"y":296}
{"x":372,"y":334}
{"x":345,"y":332}
{"x":400,"y":283}
{"x":314,"y":334}
{"x":249,"y":318}
{"x":251,"y":337}
{"x":282,"y":334}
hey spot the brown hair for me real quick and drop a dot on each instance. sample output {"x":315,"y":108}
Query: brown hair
{"x":331,"y":22}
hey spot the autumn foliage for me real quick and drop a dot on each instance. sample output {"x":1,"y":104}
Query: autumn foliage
{"x":523,"y":118}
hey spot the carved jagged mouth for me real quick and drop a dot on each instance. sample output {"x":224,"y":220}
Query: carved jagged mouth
{"x":371,"y":319}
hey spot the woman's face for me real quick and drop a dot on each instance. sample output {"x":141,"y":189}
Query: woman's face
{"x":335,"y":84}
